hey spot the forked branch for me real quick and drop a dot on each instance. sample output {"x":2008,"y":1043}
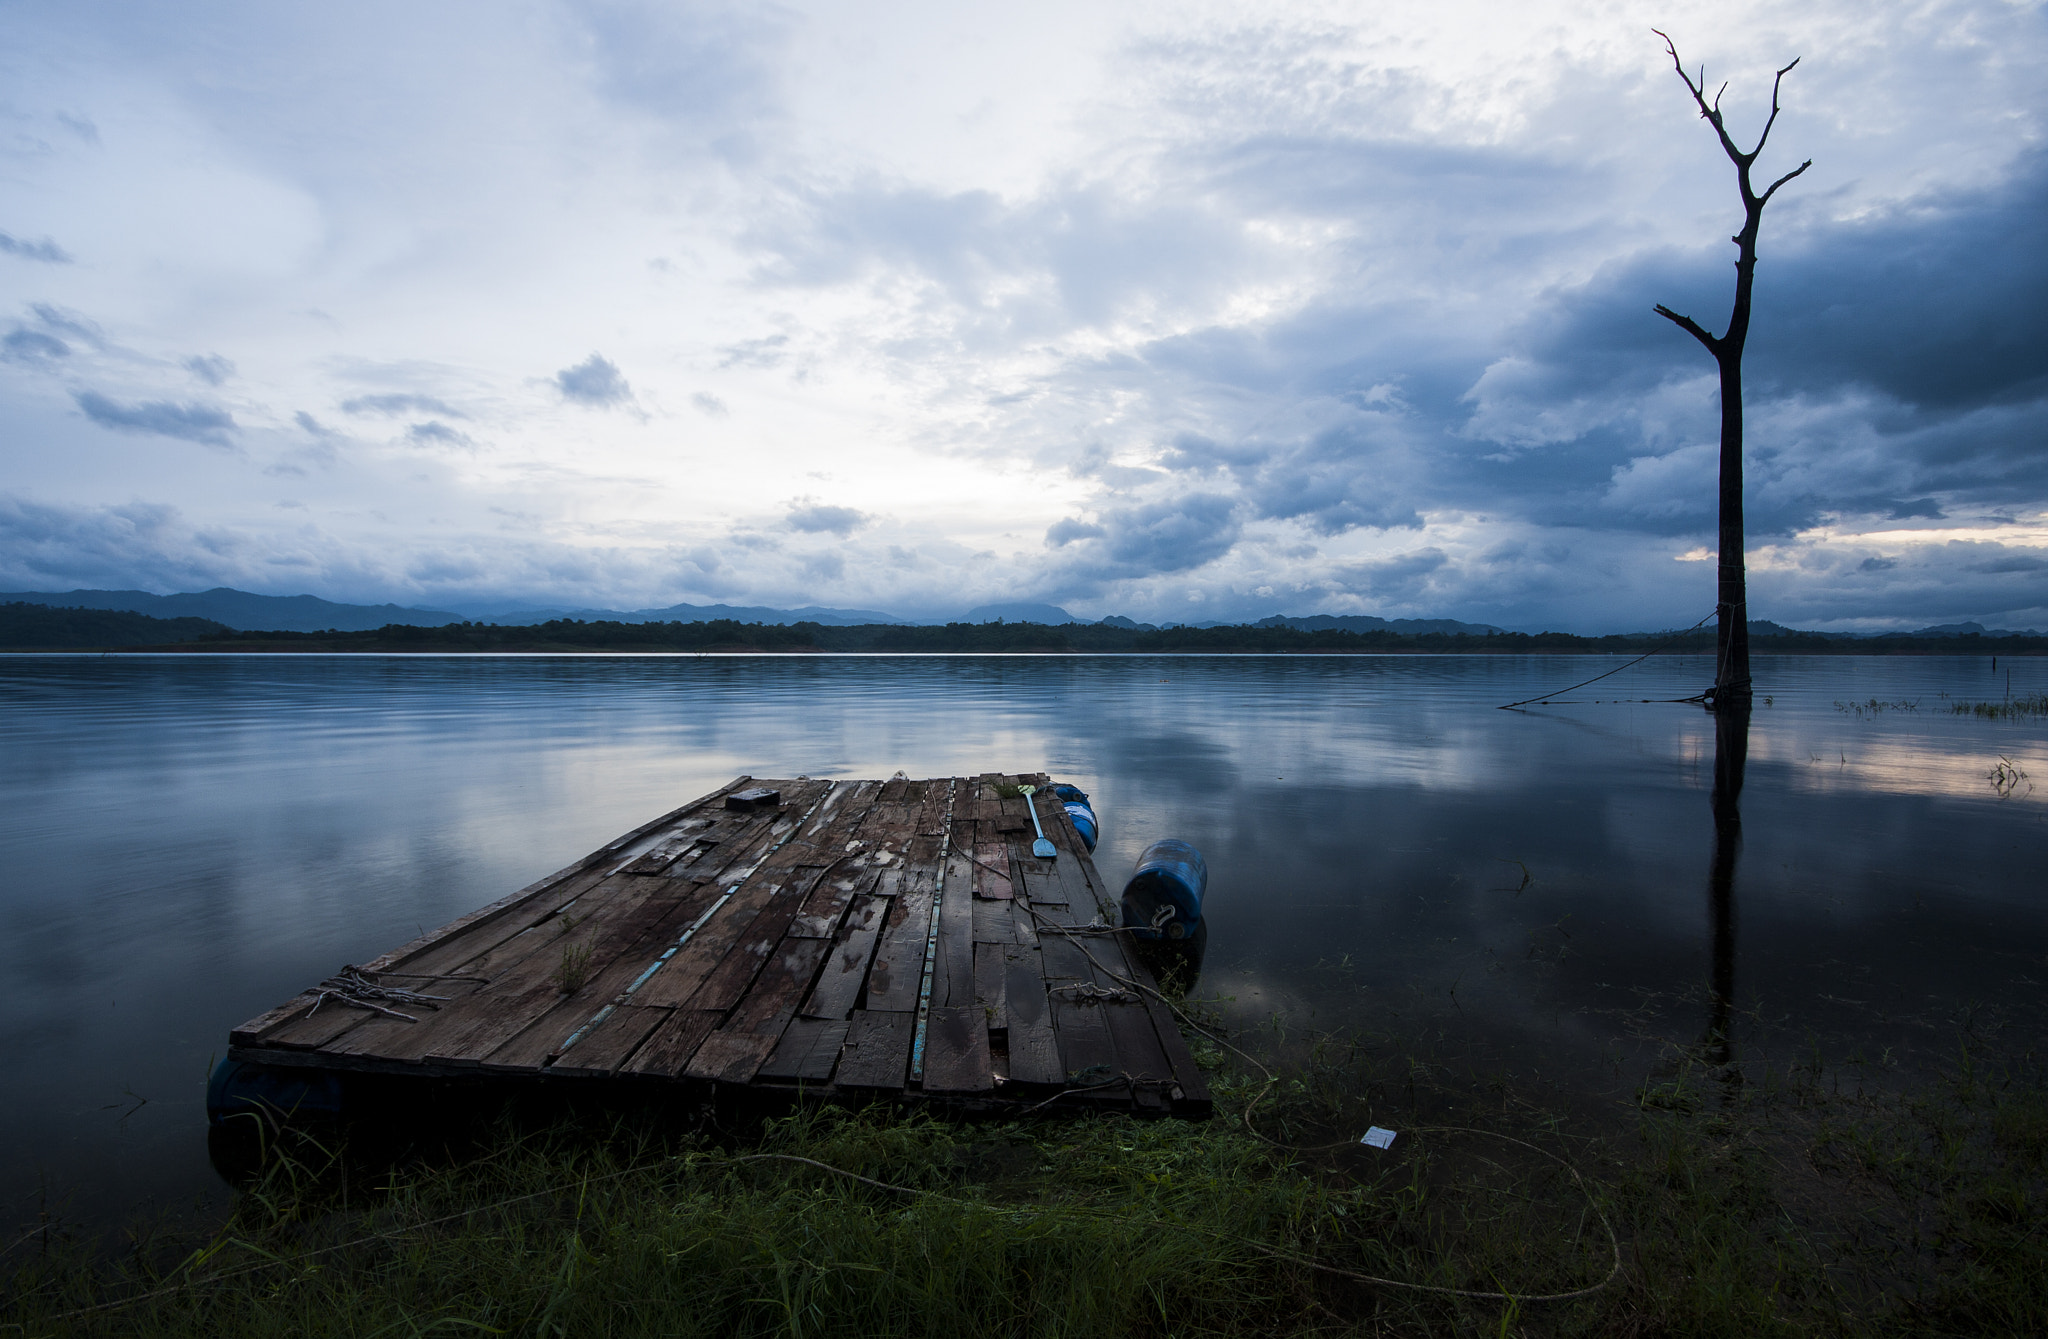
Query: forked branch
{"x":1712,"y":110}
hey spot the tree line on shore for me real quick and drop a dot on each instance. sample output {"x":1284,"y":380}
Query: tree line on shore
{"x":41,"y":627}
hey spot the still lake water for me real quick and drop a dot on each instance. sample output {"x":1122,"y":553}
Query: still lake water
{"x":187,"y":841}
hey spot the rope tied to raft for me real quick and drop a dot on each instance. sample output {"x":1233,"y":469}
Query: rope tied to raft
{"x":352,"y":985}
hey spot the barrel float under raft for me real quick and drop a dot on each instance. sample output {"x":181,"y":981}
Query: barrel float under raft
{"x":1079,"y":812}
{"x":1163,"y":900}
{"x":238,"y":1088}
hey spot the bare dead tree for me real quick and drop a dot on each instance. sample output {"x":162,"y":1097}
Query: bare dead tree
{"x":1731,"y":666}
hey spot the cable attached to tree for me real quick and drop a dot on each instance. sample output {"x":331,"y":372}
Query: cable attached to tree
{"x":1545,"y":697}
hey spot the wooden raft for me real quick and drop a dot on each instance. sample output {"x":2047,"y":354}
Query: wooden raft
{"x":866,"y":938}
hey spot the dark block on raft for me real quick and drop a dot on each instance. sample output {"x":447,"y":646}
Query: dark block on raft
{"x":756,"y":797}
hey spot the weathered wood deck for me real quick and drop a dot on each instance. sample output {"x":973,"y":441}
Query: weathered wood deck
{"x":858,"y":937}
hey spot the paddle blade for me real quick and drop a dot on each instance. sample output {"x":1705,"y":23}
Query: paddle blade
{"x":1043,"y":849}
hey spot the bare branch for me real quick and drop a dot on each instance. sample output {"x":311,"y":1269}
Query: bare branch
{"x":1711,"y":111}
{"x":1765,"y":198}
{"x":1690,"y":327}
{"x":1774,"y":108}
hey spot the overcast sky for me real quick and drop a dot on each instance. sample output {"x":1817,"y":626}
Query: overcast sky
{"x":1181,"y":311}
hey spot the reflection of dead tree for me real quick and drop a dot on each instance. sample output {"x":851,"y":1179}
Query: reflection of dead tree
{"x":1731,"y":669}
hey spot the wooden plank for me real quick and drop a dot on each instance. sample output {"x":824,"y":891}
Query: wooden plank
{"x":677,"y":982}
{"x":735,"y":1052}
{"x":1084,"y":1041}
{"x":1023,"y":924}
{"x":605,"y":1047}
{"x":898,"y":967}
{"x":932,"y":809}
{"x":525,"y":1028}
{"x":956,"y":1054}
{"x":1064,"y":960}
{"x":826,"y":904}
{"x":1034,"y":1051}
{"x":990,"y":965}
{"x":953,"y":969}
{"x":989,"y":858}
{"x":1042,"y":884}
{"x":995,"y":922}
{"x":669,"y":1047}
{"x":877,"y":1053}
{"x":680,"y":841}
{"x":808,"y":1051}
{"x":1194,"y":1087}
{"x":1079,"y":896}
{"x":485,"y":1017}
{"x":754,"y":947}
{"x":839,"y":985}
{"x":1138,"y":1050}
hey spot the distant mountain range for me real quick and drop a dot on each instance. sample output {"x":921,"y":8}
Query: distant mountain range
{"x":242,"y":610}
{"x":239,"y":609}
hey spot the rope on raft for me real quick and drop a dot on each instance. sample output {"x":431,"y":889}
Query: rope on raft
{"x":352,"y":985}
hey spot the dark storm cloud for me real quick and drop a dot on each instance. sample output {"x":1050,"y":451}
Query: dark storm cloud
{"x":814,"y":518}
{"x":1898,"y":365}
{"x":594,"y":382}
{"x":395,"y":405}
{"x":1334,"y":481}
{"x":44,"y":249}
{"x":1170,"y":535}
{"x":1941,"y":306}
{"x":189,"y":422}
{"x":43,"y":546}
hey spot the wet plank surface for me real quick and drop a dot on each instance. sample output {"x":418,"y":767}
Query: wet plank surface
{"x":876,"y":937}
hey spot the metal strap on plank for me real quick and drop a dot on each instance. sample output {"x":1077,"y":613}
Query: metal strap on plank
{"x":931,"y":939}
{"x":696,"y":925}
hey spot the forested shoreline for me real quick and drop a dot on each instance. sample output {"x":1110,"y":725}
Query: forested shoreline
{"x":31,"y":627}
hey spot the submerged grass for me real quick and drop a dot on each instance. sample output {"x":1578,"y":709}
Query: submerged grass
{"x":2022,"y":708}
{"x":1766,"y":1201}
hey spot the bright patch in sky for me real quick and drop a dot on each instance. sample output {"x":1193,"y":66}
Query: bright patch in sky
{"x":1181,"y":311}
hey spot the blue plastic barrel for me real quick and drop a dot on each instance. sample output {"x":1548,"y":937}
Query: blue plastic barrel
{"x":1163,"y":900}
{"x":237,"y":1087}
{"x":1075,"y":801}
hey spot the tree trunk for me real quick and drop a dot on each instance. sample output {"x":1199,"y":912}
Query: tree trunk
{"x":1731,"y":660}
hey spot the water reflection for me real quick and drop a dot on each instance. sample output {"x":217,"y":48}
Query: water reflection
{"x":189,"y":841}
{"x":1731,"y":754}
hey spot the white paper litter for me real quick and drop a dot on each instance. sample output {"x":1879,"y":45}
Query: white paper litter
{"x":1378,"y":1138}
